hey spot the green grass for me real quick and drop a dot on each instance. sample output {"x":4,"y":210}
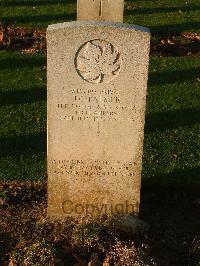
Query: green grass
{"x":160,"y":16}
{"x":172,"y":140}
{"x":37,"y":13}
{"x":23,"y":116}
{"x":165,"y":15}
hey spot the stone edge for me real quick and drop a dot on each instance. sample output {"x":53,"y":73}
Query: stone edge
{"x":86,"y":23}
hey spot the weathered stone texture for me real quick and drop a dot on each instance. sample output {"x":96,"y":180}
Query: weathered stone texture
{"x":97,"y":82}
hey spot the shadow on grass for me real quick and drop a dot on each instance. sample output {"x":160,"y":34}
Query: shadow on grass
{"x":162,"y":121}
{"x":160,"y":10}
{"x":184,"y":49}
{"x":173,"y":219}
{"x":23,"y":144}
{"x":175,"y":27}
{"x":173,"y":216}
{"x":35,"y":3}
{"x":168,"y":77}
{"x":21,"y":61}
{"x":6,"y":244}
{"x":179,"y":178}
{"x":40,"y":18}
{"x":23,"y":96}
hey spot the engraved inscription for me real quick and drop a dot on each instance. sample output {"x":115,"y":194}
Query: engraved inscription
{"x":92,"y":168}
{"x":98,"y":61}
{"x":96,"y":105}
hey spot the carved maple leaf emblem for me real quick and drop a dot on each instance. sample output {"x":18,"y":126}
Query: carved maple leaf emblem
{"x":98,"y":61}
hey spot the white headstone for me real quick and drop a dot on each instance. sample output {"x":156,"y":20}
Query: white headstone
{"x":100,"y":10}
{"x":97,"y":82}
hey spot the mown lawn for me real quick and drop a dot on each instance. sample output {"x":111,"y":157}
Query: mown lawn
{"x":172,"y":139}
{"x":23,"y":116}
{"x":159,"y":15}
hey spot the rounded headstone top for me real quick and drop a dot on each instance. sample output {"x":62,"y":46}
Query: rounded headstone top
{"x":86,"y":23}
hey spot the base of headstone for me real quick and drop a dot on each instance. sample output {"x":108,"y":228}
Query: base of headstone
{"x":131,"y":225}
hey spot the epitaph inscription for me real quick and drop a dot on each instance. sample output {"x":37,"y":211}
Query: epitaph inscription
{"x":92,"y":168}
{"x":96,"y":108}
{"x":97,"y":61}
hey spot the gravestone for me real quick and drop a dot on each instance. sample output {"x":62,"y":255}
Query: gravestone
{"x":100,"y":10}
{"x":97,"y":82}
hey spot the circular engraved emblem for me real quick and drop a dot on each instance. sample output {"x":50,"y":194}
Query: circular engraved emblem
{"x":97,"y":61}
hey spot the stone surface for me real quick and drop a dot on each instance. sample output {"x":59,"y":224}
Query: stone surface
{"x":97,"y":81}
{"x":130,"y":225}
{"x":100,"y":10}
